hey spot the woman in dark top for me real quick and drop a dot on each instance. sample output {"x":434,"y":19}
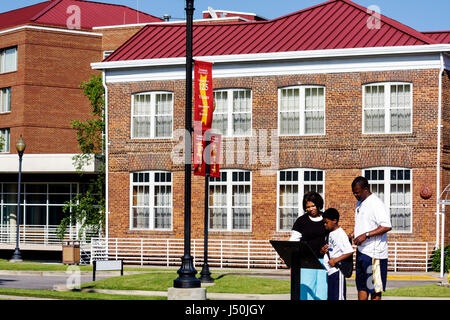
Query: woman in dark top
{"x":310,"y":228}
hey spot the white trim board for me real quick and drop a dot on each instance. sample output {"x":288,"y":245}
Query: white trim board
{"x":51,"y":29}
{"x":275,"y":68}
{"x":48,"y":163}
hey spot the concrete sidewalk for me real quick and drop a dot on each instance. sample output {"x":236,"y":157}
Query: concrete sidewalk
{"x":394,"y":278}
{"x":352,"y":294}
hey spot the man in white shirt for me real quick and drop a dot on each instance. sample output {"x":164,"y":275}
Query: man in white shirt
{"x":372,"y":222}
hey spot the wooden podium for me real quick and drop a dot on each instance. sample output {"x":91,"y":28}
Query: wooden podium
{"x":296,"y":255}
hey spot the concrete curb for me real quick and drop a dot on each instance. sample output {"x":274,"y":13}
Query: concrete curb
{"x":231,"y":296}
{"x":214,"y":296}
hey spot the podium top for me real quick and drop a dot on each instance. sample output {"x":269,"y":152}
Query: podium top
{"x":297,"y":254}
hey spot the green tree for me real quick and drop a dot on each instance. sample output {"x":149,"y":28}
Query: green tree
{"x":88,"y":207}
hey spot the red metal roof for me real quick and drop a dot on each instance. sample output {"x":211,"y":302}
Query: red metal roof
{"x":21,"y":16}
{"x":92,"y":14}
{"x":335,"y":24}
{"x":439,"y":36}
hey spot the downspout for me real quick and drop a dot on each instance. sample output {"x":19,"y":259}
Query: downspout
{"x":438,"y":156}
{"x":105,"y":111}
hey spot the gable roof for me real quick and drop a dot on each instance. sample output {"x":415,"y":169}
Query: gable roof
{"x":55,"y":13}
{"x":439,"y":36}
{"x":335,"y":24}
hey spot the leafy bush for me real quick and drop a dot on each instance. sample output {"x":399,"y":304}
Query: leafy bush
{"x":436,"y":259}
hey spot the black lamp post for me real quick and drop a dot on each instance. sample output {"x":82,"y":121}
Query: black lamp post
{"x":187,"y":271}
{"x":20,"y":146}
{"x":205,"y":274}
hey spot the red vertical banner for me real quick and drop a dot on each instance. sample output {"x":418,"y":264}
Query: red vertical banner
{"x":215,"y":155}
{"x":201,"y":156}
{"x":203,"y":94}
{"x":199,"y":147}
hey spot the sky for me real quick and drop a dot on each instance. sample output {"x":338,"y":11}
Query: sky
{"x":422,"y":15}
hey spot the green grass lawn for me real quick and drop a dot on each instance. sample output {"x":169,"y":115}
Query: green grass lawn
{"x":430,"y":290}
{"x":73,"y":295}
{"x":224,"y":283}
{"x":38,"y":266}
{"x":160,"y":279}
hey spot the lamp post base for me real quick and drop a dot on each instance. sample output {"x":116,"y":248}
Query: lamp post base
{"x":186,"y":274}
{"x":16,"y":257}
{"x":205,"y":274}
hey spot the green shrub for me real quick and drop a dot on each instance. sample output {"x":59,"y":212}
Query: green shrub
{"x":436,"y":259}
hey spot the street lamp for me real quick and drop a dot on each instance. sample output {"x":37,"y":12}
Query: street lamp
{"x":205,"y":274}
{"x":20,"y":146}
{"x":187,"y":271}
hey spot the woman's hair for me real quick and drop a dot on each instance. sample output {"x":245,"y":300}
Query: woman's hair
{"x":315,"y":198}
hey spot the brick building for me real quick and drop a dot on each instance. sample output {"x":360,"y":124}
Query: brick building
{"x":46,"y":50}
{"x":307,"y":101}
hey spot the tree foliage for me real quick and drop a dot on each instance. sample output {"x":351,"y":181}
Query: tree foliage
{"x":88,"y":207}
{"x":436,"y":259}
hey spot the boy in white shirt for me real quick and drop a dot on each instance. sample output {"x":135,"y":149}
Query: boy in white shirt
{"x":338,"y":248}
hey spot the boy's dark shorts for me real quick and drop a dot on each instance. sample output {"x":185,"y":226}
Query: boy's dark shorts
{"x":363,"y":270}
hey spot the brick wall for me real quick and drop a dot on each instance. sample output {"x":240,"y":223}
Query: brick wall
{"x":46,"y":95}
{"x":115,"y":37}
{"x":343,"y":152}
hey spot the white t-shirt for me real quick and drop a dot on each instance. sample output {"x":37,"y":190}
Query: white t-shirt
{"x":338,"y":244}
{"x":369,"y":215}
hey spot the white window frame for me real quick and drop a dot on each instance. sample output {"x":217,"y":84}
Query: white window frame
{"x":301,"y":190}
{"x":151,"y":184}
{"x":5,"y":133}
{"x":302,"y":109}
{"x":230,"y":131}
{"x":5,"y":95}
{"x":387,"y":191}
{"x":387,"y":107}
{"x":3,"y":60}
{"x":152,"y":114}
{"x":229,"y":196}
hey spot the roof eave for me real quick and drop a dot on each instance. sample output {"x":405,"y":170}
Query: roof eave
{"x":276,"y":56}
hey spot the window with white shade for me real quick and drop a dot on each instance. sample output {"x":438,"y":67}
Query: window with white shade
{"x":8,"y":60}
{"x":152,"y":115}
{"x":293,"y":184}
{"x":230,"y":201}
{"x":233,"y":112}
{"x":151,"y":200}
{"x":4,"y":140}
{"x":301,"y":110}
{"x":387,"y":108}
{"x":393,"y":186}
{"x":5,"y":100}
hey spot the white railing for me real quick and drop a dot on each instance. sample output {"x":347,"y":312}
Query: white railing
{"x":38,"y":235}
{"x":403,"y":256}
{"x":407,"y":256}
